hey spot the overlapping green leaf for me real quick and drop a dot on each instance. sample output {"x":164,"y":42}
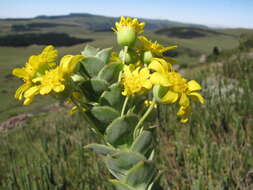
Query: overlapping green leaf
{"x":90,"y":51}
{"x":94,"y":88}
{"x":142,"y":143}
{"x":101,"y":149}
{"x":113,"y":97}
{"x":104,"y":55}
{"x":121,"y":186}
{"x":120,"y":131}
{"x":110,"y":72}
{"x":92,"y":66}
{"x":104,"y":114}
{"x":141,"y":175}
{"x":120,"y":163}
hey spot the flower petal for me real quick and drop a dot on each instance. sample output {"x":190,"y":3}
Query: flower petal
{"x":170,"y":97}
{"x":59,"y":88}
{"x":156,"y":65}
{"x":184,"y":120}
{"x":197,"y":96}
{"x":28,"y":101}
{"x":169,"y":48}
{"x":45,"y":89}
{"x":184,"y":100}
{"x":182,"y":111}
{"x":20,"y":91}
{"x":144,"y":73}
{"x":48,"y":55}
{"x":193,"y":86}
{"x":147,"y":84}
{"x":31,"y":92}
{"x":157,"y":78}
{"x":20,"y":72}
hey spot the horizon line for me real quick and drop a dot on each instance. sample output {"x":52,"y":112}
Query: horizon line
{"x":215,"y":26}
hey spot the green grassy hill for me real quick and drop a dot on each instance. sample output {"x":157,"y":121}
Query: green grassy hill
{"x":80,"y":22}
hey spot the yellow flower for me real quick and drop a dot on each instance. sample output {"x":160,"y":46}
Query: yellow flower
{"x":127,"y":30}
{"x":36,"y":66}
{"x":135,"y":81}
{"x":155,"y":48}
{"x":128,"y":22}
{"x":55,"y":79}
{"x":178,"y":89}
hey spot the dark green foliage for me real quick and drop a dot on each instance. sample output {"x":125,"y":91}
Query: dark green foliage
{"x":246,"y":41}
{"x":56,"y":39}
{"x":37,"y":26}
{"x":188,"y":32}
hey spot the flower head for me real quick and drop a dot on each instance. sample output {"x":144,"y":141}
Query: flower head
{"x":127,"y":30}
{"x":154,"y":48}
{"x":178,"y":89}
{"x":55,"y":79}
{"x":126,"y":23}
{"x":36,"y":66}
{"x":136,"y":81}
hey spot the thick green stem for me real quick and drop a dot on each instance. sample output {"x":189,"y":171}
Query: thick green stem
{"x":124,"y":105}
{"x":86,"y":117}
{"x":139,"y":124}
{"x":123,"y":61}
{"x":125,"y":52}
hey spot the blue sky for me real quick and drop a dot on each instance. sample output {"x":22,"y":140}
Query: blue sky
{"x":227,"y":13}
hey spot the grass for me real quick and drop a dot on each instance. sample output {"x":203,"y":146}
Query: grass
{"x":51,"y":157}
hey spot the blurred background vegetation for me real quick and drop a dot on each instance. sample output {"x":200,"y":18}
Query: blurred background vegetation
{"x":42,"y":146}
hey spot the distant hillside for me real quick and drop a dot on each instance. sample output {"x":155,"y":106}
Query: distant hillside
{"x":56,"y":39}
{"x":91,"y":22}
{"x":189,"y":32}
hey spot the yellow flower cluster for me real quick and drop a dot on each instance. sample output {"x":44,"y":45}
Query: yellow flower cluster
{"x":159,"y":72}
{"x":146,"y":66}
{"x":41,"y":74}
{"x":178,"y":88}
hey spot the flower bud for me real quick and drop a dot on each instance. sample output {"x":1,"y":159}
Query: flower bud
{"x":126,"y":37}
{"x":77,"y":78}
{"x":159,"y":92}
{"x":147,"y":56}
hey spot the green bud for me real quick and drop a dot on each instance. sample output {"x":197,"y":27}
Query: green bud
{"x":77,"y":78}
{"x":126,"y":37}
{"x":159,"y":92}
{"x":130,"y":56}
{"x":147,"y":56}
